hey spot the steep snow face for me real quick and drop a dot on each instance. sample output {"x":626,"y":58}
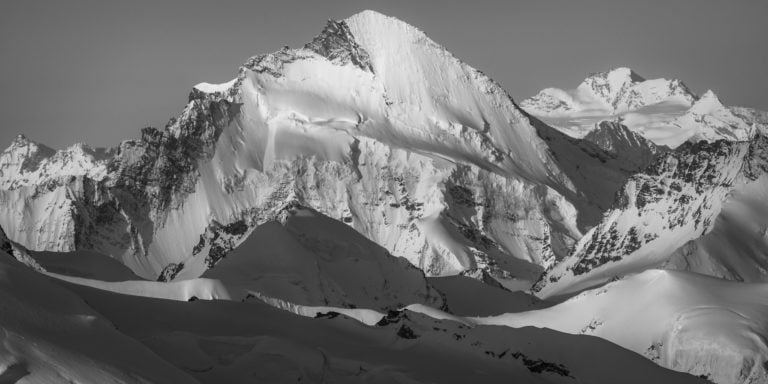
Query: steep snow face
{"x":680,"y":320}
{"x":674,"y":201}
{"x":371,"y":123}
{"x":663,"y":111}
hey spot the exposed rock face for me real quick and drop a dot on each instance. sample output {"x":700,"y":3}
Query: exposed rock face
{"x":632,"y":150}
{"x":737,"y":246}
{"x":337,"y":43}
{"x":691,"y":192}
{"x":18,"y":252}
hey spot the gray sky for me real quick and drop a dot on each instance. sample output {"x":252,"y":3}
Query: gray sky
{"x":98,"y":71}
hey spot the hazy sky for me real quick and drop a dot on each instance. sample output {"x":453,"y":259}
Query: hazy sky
{"x":98,"y":71}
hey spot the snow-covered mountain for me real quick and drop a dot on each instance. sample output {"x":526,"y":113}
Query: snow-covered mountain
{"x":663,"y":111}
{"x":371,"y":123}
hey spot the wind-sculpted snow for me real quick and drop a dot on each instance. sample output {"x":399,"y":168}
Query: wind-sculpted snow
{"x":371,"y":123}
{"x":663,"y":111}
{"x":675,"y":200}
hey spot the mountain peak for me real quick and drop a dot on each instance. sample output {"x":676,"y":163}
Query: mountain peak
{"x":373,"y":18}
{"x":337,"y":43}
{"x":21,"y":141}
{"x":707,"y":103}
{"x":380,"y":30}
{"x":611,"y":86}
{"x":369,"y":14}
{"x":23,"y":144}
{"x":710,"y":95}
{"x":617,"y":76}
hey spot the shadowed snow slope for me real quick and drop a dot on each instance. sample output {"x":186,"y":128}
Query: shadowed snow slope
{"x":466,"y":296}
{"x":683,"y":321}
{"x":86,"y":264}
{"x":49,"y":335}
{"x":310,"y":259}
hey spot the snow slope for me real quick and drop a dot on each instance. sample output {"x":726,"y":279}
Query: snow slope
{"x":680,"y":320}
{"x":53,"y":331}
{"x":663,"y":111}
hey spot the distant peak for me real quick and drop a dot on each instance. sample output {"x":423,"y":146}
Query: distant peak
{"x":627,"y":73}
{"x":710,"y":95}
{"x":23,"y":143}
{"x":616,"y":76}
{"x":707,"y":102}
{"x":20,"y":140}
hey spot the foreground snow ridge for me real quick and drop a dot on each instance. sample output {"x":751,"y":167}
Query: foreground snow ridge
{"x":369,"y":208}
